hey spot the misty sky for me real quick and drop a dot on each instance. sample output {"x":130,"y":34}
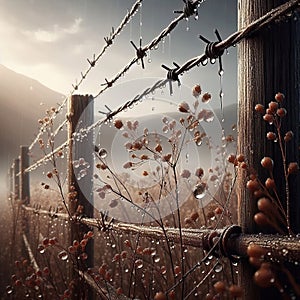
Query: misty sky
{"x":51,"y":40}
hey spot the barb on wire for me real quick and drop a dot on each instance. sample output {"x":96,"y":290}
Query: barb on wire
{"x":140,"y":52}
{"x":190,"y":8}
{"x":172,"y":75}
{"x":107,"y":83}
{"x":109,"y":40}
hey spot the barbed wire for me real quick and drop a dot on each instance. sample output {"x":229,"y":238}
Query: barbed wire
{"x":141,"y":51}
{"x":109,"y":41}
{"x":212,"y":51}
{"x":46,"y":158}
{"x":215,"y":49}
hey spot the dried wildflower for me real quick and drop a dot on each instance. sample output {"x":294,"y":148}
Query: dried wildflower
{"x":185,"y":174}
{"x":158,"y":148}
{"x":197,"y":90}
{"x":206,"y":97}
{"x":118,"y":124}
{"x":127,"y":165}
{"x":293,"y":168}
{"x":231,"y":158}
{"x":288,"y":136}
{"x":167,"y":157}
{"x":184,"y":107}
{"x":49,"y":175}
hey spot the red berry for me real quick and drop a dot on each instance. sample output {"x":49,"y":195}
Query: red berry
{"x":240,"y":158}
{"x":268,"y":118}
{"x":270,"y":184}
{"x":231,"y":158}
{"x":252,"y":185}
{"x":281,"y":112}
{"x":293,"y":168}
{"x":279,"y":97}
{"x":264,"y":277}
{"x":220,"y":287}
{"x":257,"y":251}
{"x":288,"y":136}
{"x":273,"y":106}
{"x":259,"y":108}
{"x":160,"y":296}
{"x":194,"y":216}
{"x":235,"y":291}
{"x":118,"y":124}
{"x":271,"y":136}
{"x":267,"y":163}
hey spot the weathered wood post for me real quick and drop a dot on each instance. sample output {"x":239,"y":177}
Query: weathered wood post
{"x":80,"y":180}
{"x":24,"y":193}
{"x":16,"y":179}
{"x":10,"y":182}
{"x":268,"y":62}
{"x":24,"y":176}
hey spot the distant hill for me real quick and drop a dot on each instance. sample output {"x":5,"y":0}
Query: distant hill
{"x":20,"y":108}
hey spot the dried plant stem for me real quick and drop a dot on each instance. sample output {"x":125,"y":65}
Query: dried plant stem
{"x":285,"y":171}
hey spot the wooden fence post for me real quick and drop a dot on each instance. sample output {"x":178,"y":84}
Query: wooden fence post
{"x":81,"y":109}
{"x":16,"y":179}
{"x":10,"y":182}
{"x":24,"y":177}
{"x":268,"y":62}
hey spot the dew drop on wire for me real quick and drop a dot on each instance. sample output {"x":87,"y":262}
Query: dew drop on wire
{"x":102,"y":153}
{"x":218,"y":268}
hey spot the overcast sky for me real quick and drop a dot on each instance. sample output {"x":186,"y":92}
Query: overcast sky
{"x":51,"y":40}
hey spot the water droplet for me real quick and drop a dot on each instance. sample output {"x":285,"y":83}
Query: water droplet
{"x":165,"y":129}
{"x":204,"y":62}
{"x":102,"y":153}
{"x":76,"y":164}
{"x":156,"y":258}
{"x":234,"y":263}
{"x":212,"y":60}
{"x":139,"y":263}
{"x":9,"y":290}
{"x":207,"y":262}
{"x":209,"y":116}
{"x":63,"y":255}
{"x":199,"y":190}
{"x":285,"y":252}
{"x":218,"y":268}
